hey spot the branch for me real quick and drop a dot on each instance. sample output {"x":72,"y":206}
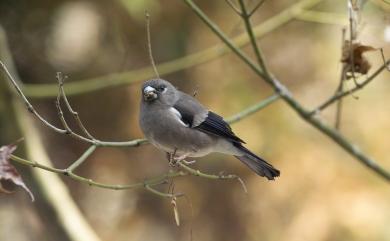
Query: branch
{"x":339,"y":95}
{"x":203,"y":56}
{"x":287,"y":97}
{"x":248,"y":26}
{"x":252,"y":109}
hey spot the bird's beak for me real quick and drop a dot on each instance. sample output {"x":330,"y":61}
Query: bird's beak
{"x":150,"y":93}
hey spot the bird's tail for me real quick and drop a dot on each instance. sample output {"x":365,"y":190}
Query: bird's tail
{"x":256,"y":164}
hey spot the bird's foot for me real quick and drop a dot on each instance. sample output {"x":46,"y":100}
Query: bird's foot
{"x":188,"y":163}
{"x":174,"y":161}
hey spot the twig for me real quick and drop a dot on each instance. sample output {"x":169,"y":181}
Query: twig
{"x":339,"y":102}
{"x":235,"y":9}
{"x":246,"y":17}
{"x":351,"y":39}
{"x":81,"y":160}
{"x":252,"y":109}
{"x":149,"y":42}
{"x":384,"y":59}
{"x":29,"y":106}
{"x":343,"y":94}
{"x":287,"y":97}
{"x":258,"y":5}
{"x":150,"y":182}
{"x":198,"y":173}
{"x":61,"y":78}
{"x":340,"y":88}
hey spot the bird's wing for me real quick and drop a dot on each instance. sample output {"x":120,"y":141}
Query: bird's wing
{"x":196,"y":116}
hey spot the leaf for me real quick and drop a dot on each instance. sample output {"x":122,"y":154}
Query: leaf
{"x":175,"y":211}
{"x":360,"y":62}
{"x":8,"y":172}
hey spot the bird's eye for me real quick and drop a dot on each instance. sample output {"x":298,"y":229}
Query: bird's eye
{"x":161,"y":88}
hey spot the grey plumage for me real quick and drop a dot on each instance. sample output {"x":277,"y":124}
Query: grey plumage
{"x":176,"y":122}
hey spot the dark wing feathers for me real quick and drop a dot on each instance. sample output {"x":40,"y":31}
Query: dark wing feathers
{"x":216,"y":125}
{"x":196,"y":116}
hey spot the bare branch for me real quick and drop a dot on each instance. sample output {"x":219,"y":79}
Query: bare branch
{"x":343,"y":94}
{"x":29,"y":106}
{"x":246,"y":17}
{"x":235,"y":9}
{"x":81,"y":160}
{"x":287,"y":97}
{"x":149,"y":42}
{"x":258,"y":5}
{"x":61,"y":79}
{"x":253,"y":109}
{"x":341,"y":84}
{"x":352,"y":37}
{"x":384,"y":59}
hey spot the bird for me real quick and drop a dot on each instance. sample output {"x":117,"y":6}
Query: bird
{"x":180,"y":125}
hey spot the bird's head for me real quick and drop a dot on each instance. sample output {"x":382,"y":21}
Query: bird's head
{"x":159,"y":91}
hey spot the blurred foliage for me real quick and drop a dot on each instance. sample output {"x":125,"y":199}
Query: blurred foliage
{"x":323,"y":194}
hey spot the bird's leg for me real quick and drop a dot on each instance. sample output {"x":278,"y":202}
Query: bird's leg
{"x":189,"y":162}
{"x":182,"y":159}
{"x":171,"y":157}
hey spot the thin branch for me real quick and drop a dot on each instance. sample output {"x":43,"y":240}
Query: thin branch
{"x":248,"y":26}
{"x":384,"y":59}
{"x":162,"y":194}
{"x":287,"y":97}
{"x":147,"y":184}
{"x":252,"y":109}
{"x":351,"y":39}
{"x":75,"y":114}
{"x":340,"y":101}
{"x":29,"y":106}
{"x":149,"y":42}
{"x":69,"y":131}
{"x":150,"y":182}
{"x":81,"y":160}
{"x":235,"y":9}
{"x":340,"y":88}
{"x":343,"y":94}
{"x":197,"y":173}
{"x":258,"y":5}
{"x":203,"y":56}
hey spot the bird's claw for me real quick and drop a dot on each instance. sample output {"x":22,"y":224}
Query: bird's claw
{"x":174,"y":161}
{"x":189,"y":162}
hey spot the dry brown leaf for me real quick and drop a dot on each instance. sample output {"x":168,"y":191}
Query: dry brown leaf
{"x":175,"y":211}
{"x":8,"y":172}
{"x":360,"y":62}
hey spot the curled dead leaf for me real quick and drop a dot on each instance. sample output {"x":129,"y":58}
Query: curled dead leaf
{"x":8,"y":172}
{"x":175,"y":211}
{"x":360,"y":63}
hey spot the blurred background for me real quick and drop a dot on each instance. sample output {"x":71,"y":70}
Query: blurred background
{"x":323,"y":193}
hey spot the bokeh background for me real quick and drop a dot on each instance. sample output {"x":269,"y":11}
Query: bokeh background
{"x":323,"y":193}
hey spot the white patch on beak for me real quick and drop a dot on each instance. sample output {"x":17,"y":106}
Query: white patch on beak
{"x":149,"y":89}
{"x":150,"y":93}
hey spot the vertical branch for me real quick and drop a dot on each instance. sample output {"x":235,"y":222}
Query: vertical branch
{"x":352,"y":37}
{"x":150,"y":44}
{"x":340,"y":88}
{"x":246,"y":17}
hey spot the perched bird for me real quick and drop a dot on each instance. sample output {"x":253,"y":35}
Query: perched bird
{"x":178,"y":124}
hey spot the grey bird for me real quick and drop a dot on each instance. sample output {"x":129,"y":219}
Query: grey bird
{"x":178,"y":124}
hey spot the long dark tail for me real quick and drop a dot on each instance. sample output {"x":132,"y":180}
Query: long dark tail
{"x":256,"y":164}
